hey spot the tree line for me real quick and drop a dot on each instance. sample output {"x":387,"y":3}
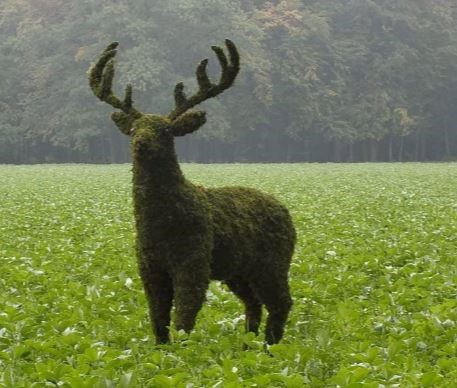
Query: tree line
{"x":353,"y":80}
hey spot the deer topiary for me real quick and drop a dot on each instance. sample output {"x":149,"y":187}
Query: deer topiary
{"x":187,"y":234}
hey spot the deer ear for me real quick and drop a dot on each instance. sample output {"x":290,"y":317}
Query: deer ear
{"x":187,"y":123}
{"x":123,"y":121}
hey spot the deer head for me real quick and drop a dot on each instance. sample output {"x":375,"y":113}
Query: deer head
{"x":150,"y":132}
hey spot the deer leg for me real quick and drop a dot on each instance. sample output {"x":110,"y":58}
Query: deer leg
{"x":274,"y":292}
{"x":253,"y":307}
{"x":189,"y":285}
{"x":159,"y":294}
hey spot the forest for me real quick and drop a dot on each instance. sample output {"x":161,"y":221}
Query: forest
{"x":320,"y":81}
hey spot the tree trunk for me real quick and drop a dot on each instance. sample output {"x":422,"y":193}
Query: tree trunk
{"x":391,"y":151}
{"x":447,"y":145}
{"x":336,"y":151}
{"x":417,"y":147}
{"x":400,"y":151}
{"x":112,"y":149}
{"x":351,"y":153}
{"x":373,"y":151}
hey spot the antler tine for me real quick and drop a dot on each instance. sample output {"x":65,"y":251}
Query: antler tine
{"x":180,"y":96}
{"x":101,"y":76}
{"x":230,"y":68}
{"x":234,"y":60}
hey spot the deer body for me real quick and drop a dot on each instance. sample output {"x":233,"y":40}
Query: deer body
{"x":188,"y":235}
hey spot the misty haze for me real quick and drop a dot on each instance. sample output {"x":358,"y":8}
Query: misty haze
{"x":320,"y":80}
{"x":228,"y":193}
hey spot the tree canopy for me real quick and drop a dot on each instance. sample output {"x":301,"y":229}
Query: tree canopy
{"x":353,"y":80}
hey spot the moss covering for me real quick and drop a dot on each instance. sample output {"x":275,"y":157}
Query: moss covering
{"x":188,"y":235}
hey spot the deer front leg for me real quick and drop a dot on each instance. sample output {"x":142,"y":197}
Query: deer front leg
{"x":159,"y":294}
{"x":190,"y":283}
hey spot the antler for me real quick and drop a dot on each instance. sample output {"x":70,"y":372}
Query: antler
{"x":206,"y":88}
{"x":101,"y":77}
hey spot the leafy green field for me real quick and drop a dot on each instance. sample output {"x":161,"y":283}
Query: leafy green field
{"x":373,"y":280}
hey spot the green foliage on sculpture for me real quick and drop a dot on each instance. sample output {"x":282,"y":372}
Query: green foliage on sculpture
{"x":188,"y":123}
{"x":188,"y":235}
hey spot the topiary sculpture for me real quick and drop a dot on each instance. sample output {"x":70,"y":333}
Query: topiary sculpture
{"x":186,"y":234}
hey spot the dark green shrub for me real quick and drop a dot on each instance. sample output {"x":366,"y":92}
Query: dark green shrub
{"x":186,"y":234}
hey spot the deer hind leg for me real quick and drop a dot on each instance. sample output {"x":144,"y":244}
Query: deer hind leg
{"x":273,"y":291}
{"x":159,"y":294}
{"x":189,"y":285}
{"x":253,"y":306}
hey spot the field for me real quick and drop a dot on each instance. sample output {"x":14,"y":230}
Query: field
{"x":373,"y":280}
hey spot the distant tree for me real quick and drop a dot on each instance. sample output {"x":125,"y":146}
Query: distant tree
{"x":321,"y":80}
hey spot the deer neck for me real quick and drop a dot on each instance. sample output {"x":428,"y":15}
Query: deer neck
{"x":157,"y":179}
{"x":158,"y":187}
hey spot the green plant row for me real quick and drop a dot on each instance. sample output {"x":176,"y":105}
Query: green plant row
{"x":373,"y":280}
